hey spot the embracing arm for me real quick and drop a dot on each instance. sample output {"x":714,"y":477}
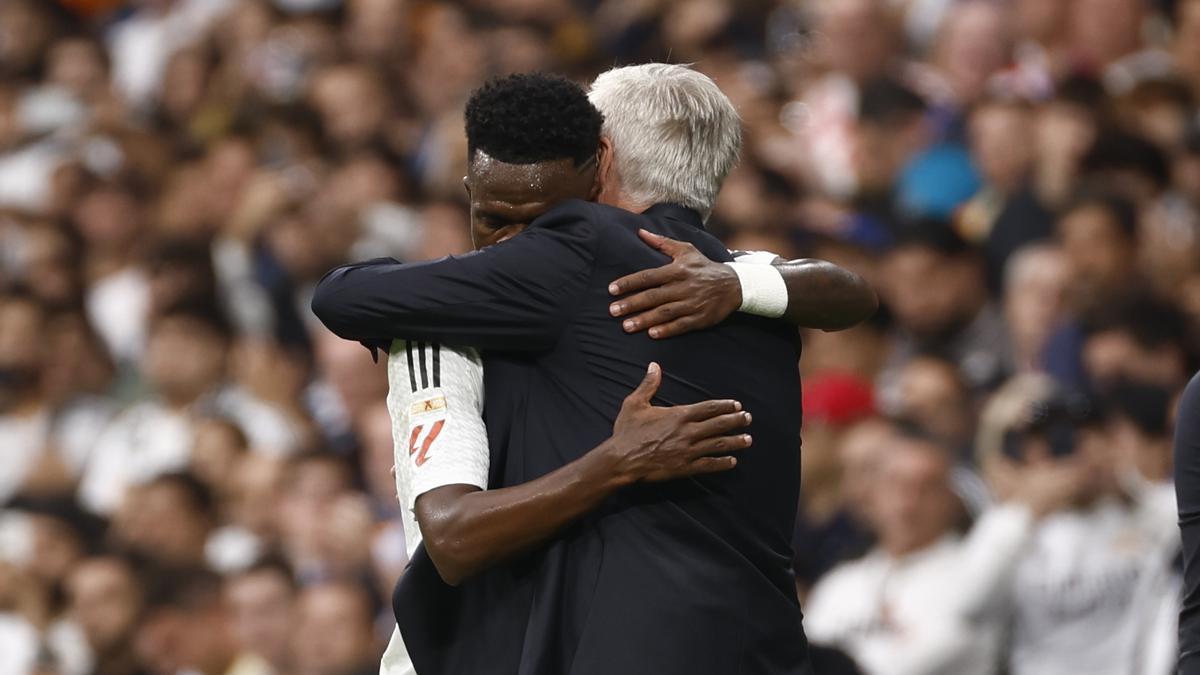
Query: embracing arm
{"x":693,"y":292}
{"x":467,"y":530}
{"x":514,"y":295}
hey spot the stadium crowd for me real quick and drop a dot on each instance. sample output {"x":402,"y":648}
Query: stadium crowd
{"x":196,"y":477}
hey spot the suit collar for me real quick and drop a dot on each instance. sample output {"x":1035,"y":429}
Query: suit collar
{"x":676,"y":212}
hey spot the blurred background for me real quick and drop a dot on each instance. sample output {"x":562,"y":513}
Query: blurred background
{"x":195,"y":475}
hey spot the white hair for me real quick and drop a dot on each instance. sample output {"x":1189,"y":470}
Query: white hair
{"x":675,"y":134}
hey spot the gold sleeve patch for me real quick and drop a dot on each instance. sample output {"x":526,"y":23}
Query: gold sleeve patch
{"x":429,"y":405}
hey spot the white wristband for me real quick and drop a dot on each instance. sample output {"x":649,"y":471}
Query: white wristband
{"x":763,"y":290}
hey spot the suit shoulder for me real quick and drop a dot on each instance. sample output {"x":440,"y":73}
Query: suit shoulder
{"x":567,"y":213}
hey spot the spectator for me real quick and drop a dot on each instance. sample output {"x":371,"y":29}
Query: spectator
{"x":105,"y":600}
{"x":934,"y":284}
{"x":1087,"y":560}
{"x":882,"y":609}
{"x":262,"y":602}
{"x":187,"y":627}
{"x":335,"y":634}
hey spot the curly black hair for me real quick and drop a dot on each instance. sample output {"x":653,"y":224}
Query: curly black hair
{"x":532,"y":117}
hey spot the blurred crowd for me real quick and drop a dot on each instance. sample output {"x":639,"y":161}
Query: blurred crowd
{"x":195,"y":477}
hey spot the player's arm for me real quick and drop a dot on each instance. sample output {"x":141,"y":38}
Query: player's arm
{"x":516,"y":295}
{"x":693,"y":292}
{"x":467,"y":530}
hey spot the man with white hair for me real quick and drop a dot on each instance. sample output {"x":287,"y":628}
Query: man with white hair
{"x":617,"y":591}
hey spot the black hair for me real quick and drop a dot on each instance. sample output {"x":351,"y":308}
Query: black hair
{"x":932,"y":233}
{"x":198,"y":496}
{"x":1120,"y":209}
{"x":1150,"y":322}
{"x":532,"y":117}
{"x":187,"y":589}
{"x":272,"y":562}
{"x":888,"y":102}
{"x":202,"y":310}
{"x":1146,"y":405}
{"x":87,"y":528}
{"x":1120,"y":151}
{"x":1085,"y":92}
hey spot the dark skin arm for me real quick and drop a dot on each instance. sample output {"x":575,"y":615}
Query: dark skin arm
{"x":693,"y":292}
{"x":467,"y":530}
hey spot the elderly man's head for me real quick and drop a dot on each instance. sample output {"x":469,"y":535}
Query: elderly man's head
{"x":674,"y":137}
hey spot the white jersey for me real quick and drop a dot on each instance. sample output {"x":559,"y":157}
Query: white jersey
{"x":435,"y":398}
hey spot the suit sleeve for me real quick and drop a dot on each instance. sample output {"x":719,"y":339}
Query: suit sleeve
{"x":1187,"y":489}
{"x":516,"y":295}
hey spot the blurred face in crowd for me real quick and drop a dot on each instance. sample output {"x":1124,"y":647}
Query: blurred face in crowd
{"x":359,"y":381}
{"x":1041,"y":20}
{"x":311,"y":488}
{"x":446,"y":231}
{"x":21,"y":353}
{"x":856,"y":37}
{"x":24,"y":30}
{"x":974,"y":44}
{"x":1099,"y":253}
{"x":861,"y":453}
{"x":261,"y":604}
{"x":933,"y":397}
{"x":185,"y":358}
{"x":78,"y":65}
{"x":104,"y":600}
{"x":1103,"y":31}
{"x":184,"y":83}
{"x":1187,"y":39}
{"x":56,"y":549}
{"x":198,"y":638}
{"x":218,"y":446}
{"x":1036,"y":282}
{"x":80,"y":364}
{"x":50,"y":265}
{"x":1003,"y":163}
{"x":505,"y":197}
{"x":351,"y":104}
{"x":334,"y":634}
{"x":108,"y":217}
{"x":255,"y":494}
{"x":160,"y":521}
{"x":915,"y":505}
{"x":930,"y":292}
{"x":375,"y":435}
{"x":373,"y":26}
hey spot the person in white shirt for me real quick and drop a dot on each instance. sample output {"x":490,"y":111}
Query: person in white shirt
{"x":185,"y":362}
{"x":1087,"y":581}
{"x":900,"y":609}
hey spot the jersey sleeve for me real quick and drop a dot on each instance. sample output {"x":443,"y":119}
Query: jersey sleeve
{"x":436,"y":403}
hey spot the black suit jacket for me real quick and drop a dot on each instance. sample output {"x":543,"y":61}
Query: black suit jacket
{"x":692,"y":576}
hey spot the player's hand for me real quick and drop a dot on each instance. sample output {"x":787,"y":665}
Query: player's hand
{"x":689,"y":293}
{"x":651,"y":443}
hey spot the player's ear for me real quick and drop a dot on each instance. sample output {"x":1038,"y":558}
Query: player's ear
{"x":467,"y":185}
{"x":604,"y":169}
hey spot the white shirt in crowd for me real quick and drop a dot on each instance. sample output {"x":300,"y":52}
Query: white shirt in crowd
{"x":1089,"y":585}
{"x":1083,"y":591}
{"x":150,"y":439}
